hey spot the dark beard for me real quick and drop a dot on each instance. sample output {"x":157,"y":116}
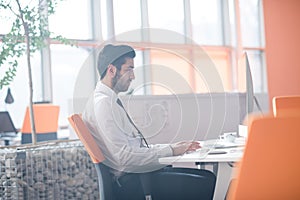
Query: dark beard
{"x":115,"y":81}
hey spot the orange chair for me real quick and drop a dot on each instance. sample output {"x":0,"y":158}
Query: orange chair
{"x":286,"y":105}
{"x":270,"y":166}
{"x":46,"y":123}
{"x":103,"y":172}
{"x":170,"y":183}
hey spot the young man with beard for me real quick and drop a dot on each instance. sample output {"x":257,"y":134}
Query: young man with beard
{"x":126,"y":151}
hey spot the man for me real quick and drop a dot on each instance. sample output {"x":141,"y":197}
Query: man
{"x":124,"y":147}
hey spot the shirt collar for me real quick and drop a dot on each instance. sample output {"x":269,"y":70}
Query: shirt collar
{"x":101,"y":87}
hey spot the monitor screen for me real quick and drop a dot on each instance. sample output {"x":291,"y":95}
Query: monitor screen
{"x":6,"y":124}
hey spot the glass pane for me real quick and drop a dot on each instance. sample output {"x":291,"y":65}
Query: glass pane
{"x":214,"y":73}
{"x":7,"y":17}
{"x":20,"y":88}
{"x":232,"y":22}
{"x":104,"y":20}
{"x":207,"y":22}
{"x":66,"y":64}
{"x":6,"y":20}
{"x":166,"y":14}
{"x":250,"y":22}
{"x":127,"y":18}
{"x":171,"y":72}
{"x":72,"y":20}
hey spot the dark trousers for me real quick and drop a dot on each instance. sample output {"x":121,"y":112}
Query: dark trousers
{"x":135,"y":186}
{"x":129,"y":186}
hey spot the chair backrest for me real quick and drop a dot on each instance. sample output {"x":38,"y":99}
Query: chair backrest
{"x":270,"y":166}
{"x":103,"y":172}
{"x":286,"y":105}
{"x":46,"y":123}
{"x":86,"y":138}
{"x":183,"y":183}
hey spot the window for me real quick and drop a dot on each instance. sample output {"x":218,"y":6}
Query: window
{"x":214,"y":71}
{"x":170,"y":72}
{"x":7,"y":17}
{"x":67,"y":62}
{"x":72,"y":20}
{"x":251,"y":23}
{"x":127,"y":17}
{"x":6,"y":20}
{"x":167,"y":61}
{"x":253,"y":41}
{"x":104,"y":20}
{"x":206,"y":19}
{"x":173,"y":20}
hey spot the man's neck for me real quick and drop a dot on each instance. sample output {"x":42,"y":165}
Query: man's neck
{"x":109,"y":84}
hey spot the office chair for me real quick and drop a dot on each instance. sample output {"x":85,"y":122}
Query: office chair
{"x":46,"y":123}
{"x":286,"y":105}
{"x":7,"y":128}
{"x":104,"y":175}
{"x":270,"y":166}
{"x":183,"y":183}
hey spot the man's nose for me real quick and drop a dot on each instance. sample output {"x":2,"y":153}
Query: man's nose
{"x":132,"y":76}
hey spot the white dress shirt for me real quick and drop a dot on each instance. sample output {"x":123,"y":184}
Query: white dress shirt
{"x":116,"y":136}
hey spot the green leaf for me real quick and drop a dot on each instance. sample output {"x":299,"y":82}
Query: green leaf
{"x":13,"y":44}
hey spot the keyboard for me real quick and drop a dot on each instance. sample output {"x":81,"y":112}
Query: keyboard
{"x":219,"y":144}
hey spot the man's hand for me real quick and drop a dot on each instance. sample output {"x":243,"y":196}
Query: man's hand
{"x":180,"y":148}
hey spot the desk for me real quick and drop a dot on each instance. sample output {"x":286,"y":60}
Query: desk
{"x":222,"y":165}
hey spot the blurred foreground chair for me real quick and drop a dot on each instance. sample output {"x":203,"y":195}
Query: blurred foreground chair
{"x":104,"y":176}
{"x":270,"y":166}
{"x":46,"y":123}
{"x":183,"y":183}
{"x":286,"y":105}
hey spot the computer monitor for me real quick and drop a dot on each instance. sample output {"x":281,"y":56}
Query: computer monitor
{"x":6,"y":123}
{"x":251,"y":99}
{"x":249,"y":86}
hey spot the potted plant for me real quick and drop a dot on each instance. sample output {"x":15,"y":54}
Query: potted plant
{"x":29,"y":33}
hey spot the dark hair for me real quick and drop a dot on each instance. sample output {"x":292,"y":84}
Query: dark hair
{"x":115,"y":55}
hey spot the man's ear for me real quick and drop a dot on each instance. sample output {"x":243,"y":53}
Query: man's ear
{"x":111,"y":70}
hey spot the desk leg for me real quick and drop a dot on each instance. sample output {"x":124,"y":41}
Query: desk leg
{"x":223,"y":179}
{"x":204,"y":165}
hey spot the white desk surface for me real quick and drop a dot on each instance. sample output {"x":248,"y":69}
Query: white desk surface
{"x":223,"y":171}
{"x":233,"y":155}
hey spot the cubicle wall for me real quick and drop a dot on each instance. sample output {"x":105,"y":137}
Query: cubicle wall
{"x":165,"y":119}
{"x":171,"y":118}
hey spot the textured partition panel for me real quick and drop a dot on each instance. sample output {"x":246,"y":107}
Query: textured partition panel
{"x":50,"y":171}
